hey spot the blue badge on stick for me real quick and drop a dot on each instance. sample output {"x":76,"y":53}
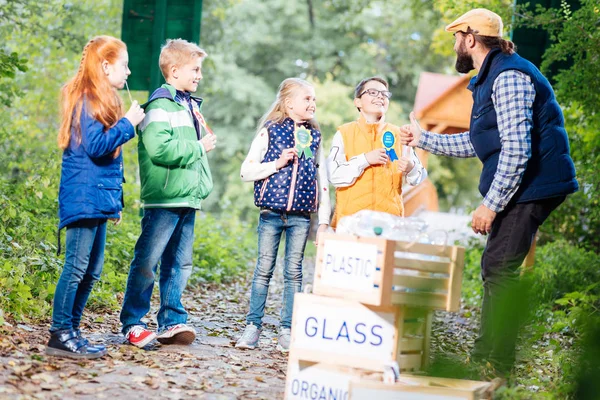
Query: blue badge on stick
{"x":388,"y":139}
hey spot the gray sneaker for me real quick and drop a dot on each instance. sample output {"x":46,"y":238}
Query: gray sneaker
{"x":249,"y":339}
{"x":283,"y":341}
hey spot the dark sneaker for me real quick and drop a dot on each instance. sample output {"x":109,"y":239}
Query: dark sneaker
{"x":139,"y":336}
{"x":177,"y":334}
{"x":66,"y":343}
{"x":283,"y":340}
{"x":100,"y":347}
{"x":249,"y":339}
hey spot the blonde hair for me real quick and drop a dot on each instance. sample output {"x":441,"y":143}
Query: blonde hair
{"x":102,"y":99}
{"x":178,"y":52}
{"x":277,"y":112}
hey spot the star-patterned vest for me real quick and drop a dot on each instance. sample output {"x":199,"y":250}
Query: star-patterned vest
{"x":294,"y":187}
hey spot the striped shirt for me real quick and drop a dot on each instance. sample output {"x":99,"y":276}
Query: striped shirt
{"x":513,"y":94}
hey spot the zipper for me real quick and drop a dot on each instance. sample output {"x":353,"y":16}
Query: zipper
{"x":263,"y":188}
{"x":292,"y":185}
{"x":316,"y":194}
{"x":167,"y":180}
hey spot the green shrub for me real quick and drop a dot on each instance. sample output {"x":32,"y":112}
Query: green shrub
{"x":563,"y":268}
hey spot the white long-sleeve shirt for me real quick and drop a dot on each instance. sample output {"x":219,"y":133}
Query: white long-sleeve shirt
{"x":253,"y":169}
{"x":343,"y":173}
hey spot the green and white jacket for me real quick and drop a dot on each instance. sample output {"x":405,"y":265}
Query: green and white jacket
{"x":174,"y":168}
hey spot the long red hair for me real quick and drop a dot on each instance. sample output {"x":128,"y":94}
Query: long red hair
{"x":103,"y":101}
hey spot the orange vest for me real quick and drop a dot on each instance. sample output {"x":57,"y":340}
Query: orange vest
{"x":379,"y":188}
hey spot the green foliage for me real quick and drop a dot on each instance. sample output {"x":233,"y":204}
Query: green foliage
{"x":563,"y":268}
{"x":223,"y":249}
{"x":576,"y":38}
{"x":472,"y":286}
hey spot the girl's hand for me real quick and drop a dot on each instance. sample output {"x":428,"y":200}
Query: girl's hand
{"x":376,"y":157}
{"x":209,"y":142}
{"x":135,"y":115}
{"x":286,"y":156}
{"x":322,"y":228}
{"x":405,"y":165}
{"x":117,"y":221}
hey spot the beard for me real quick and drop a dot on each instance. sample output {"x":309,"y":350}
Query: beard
{"x":464,"y":62}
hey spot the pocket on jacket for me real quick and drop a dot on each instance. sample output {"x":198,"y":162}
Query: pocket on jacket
{"x":109,"y":200}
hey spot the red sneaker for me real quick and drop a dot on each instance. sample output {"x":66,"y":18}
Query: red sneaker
{"x":177,"y":334}
{"x":140,"y":336}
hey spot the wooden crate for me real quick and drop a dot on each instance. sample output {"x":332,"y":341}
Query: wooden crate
{"x":347,"y":333}
{"x":382,"y":272}
{"x":421,"y":388}
{"x":311,"y":380}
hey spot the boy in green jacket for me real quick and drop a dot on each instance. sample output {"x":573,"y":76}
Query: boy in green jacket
{"x":173,"y":144}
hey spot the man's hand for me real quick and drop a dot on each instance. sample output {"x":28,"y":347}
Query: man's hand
{"x":482,"y":220}
{"x":410,"y":134}
{"x":322,"y":228}
{"x":377,"y":157}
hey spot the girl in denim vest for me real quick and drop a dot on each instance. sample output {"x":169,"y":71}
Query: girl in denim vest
{"x":287,"y":166}
{"x":91,"y":134}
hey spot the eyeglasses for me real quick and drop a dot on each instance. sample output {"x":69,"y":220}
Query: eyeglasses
{"x":375,"y":93}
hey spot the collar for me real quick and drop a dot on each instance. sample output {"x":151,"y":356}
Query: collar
{"x":367,"y":127}
{"x":485,"y":68}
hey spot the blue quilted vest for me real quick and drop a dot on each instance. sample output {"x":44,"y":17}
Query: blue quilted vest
{"x":294,"y":187}
{"x":550,"y":171}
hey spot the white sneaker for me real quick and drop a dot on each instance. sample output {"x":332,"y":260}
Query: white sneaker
{"x":249,"y":339}
{"x":283,"y":340}
{"x":177,"y":334}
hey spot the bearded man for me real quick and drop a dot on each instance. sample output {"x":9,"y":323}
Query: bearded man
{"x":517,"y":131}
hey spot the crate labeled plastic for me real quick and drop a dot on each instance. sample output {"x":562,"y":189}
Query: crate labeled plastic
{"x":382,"y":272}
{"x":421,"y":388}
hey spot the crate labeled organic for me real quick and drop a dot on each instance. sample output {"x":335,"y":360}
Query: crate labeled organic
{"x":311,"y":380}
{"x":382,"y":272}
{"x":343,"y":332}
{"x":421,"y":388}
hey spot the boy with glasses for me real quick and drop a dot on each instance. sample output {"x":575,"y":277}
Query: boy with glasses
{"x":367,"y":161}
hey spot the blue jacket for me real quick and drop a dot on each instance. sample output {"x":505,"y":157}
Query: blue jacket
{"x":294,"y":187}
{"x":550,"y":171}
{"x":91,"y":181}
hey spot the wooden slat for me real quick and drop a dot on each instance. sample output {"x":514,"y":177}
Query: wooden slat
{"x":413,"y":328}
{"x":427,"y":340}
{"x":409,"y":362}
{"x":456,"y":275}
{"x":436,"y":301}
{"x":442,"y":267}
{"x":422,"y":248}
{"x":415,"y":312}
{"x":411,"y":344}
{"x":420,"y":283}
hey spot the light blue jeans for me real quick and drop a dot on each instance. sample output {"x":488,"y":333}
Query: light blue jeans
{"x":270,"y":227}
{"x":84,"y":258}
{"x":167,"y":237}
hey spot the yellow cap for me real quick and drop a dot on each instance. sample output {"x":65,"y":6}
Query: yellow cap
{"x":482,"y":21}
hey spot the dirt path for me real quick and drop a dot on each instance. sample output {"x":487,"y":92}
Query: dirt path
{"x":211,"y":368}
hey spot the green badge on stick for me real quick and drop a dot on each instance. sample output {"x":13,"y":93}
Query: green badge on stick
{"x":303,"y":140}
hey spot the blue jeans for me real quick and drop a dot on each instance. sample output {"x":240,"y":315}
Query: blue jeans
{"x":167,"y":237}
{"x":270,"y":227}
{"x":84,"y":258}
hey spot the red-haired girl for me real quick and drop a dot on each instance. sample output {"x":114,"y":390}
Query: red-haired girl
{"x":92,"y":131}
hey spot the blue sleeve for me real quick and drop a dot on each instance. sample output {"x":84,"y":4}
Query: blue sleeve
{"x":97,"y":142}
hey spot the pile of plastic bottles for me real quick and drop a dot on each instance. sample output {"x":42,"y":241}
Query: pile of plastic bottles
{"x":369,"y":223}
